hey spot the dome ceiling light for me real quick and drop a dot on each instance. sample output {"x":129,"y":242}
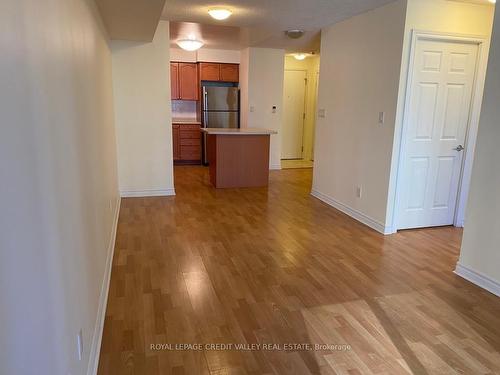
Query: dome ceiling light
{"x":190,"y":44}
{"x":300,"y":56}
{"x":220,"y":13}
{"x":294,"y":33}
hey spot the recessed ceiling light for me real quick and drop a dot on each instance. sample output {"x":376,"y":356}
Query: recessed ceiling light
{"x":190,"y":44}
{"x":300,"y":56}
{"x":220,"y":13}
{"x":492,"y":1}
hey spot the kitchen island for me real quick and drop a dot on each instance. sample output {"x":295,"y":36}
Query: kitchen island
{"x":238,"y":157}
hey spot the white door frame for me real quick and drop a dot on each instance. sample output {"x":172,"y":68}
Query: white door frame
{"x":306,"y":109}
{"x":470,"y":141}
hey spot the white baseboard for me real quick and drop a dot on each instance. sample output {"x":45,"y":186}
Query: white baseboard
{"x":359,"y":216}
{"x":95,"y":348}
{"x":147,"y":193}
{"x":479,"y":279}
{"x":275,"y":167}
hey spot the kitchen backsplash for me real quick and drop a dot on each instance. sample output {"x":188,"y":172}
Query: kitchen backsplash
{"x":184,"y":109}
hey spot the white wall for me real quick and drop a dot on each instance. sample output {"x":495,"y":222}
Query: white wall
{"x":244,"y":83}
{"x":359,"y":77}
{"x":261,"y":82}
{"x":480,"y":248}
{"x":219,"y":55}
{"x":58,"y":190}
{"x":141,"y":83}
{"x":207,"y":55}
{"x":441,"y":16}
{"x":311,"y":66}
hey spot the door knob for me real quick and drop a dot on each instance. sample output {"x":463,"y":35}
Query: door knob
{"x":459,"y":148}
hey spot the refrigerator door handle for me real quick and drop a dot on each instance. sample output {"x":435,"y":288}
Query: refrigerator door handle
{"x":205,"y":107}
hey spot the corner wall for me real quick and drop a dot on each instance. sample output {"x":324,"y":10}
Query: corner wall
{"x":261,"y":83}
{"x":359,"y":77}
{"x":480,"y":255}
{"x":141,"y":83}
{"x":59,"y":192}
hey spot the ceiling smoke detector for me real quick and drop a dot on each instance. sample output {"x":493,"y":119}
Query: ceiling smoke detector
{"x":294,"y":33}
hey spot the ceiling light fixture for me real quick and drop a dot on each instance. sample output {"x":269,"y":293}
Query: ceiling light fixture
{"x":294,"y":33}
{"x":190,"y":44}
{"x":220,"y":13}
{"x":300,"y":56}
{"x":492,"y":1}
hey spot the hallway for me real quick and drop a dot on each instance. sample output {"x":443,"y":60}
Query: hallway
{"x":277,"y":266}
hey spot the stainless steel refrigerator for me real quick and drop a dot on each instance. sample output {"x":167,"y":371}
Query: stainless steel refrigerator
{"x":221,"y":109}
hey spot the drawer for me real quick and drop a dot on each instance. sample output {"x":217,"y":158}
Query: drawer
{"x":190,"y":152}
{"x":190,"y":142}
{"x":190,"y":127}
{"x":190,"y":134}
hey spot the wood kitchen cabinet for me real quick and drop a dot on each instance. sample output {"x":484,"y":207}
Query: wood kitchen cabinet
{"x":188,"y":81}
{"x":184,"y":81}
{"x":229,"y":72}
{"x":219,"y":72}
{"x":176,"y":142}
{"x":209,"y":71}
{"x":174,"y":80}
{"x":186,"y":143}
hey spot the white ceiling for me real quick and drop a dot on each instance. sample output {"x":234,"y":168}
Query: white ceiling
{"x":261,"y":23}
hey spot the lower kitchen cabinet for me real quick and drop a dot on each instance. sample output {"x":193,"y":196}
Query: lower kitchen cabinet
{"x":186,"y":143}
{"x":176,"y":142}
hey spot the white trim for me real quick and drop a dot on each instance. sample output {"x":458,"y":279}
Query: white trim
{"x":147,"y":193}
{"x":355,"y":214}
{"x":275,"y":167}
{"x":478,"y":279}
{"x":95,"y":348}
{"x":476,"y":101}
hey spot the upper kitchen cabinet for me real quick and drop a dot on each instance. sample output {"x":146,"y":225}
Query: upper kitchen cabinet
{"x":219,"y":72}
{"x":209,"y":71}
{"x":184,"y":81}
{"x":188,"y":81}
{"x":229,"y":72}
{"x":174,"y":80}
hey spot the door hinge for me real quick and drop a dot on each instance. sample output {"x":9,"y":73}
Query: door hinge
{"x":304,"y":116}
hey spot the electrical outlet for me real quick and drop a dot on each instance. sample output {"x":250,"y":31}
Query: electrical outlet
{"x":381,"y":118}
{"x":79,"y":344}
{"x":359,"y":191}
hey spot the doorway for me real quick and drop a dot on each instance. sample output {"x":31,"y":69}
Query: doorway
{"x":300,"y":94}
{"x":294,"y":114}
{"x":436,"y":130}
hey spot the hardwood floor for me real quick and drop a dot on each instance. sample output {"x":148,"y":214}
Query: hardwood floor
{"x":296,"y":163}
{"x":274,"y":267}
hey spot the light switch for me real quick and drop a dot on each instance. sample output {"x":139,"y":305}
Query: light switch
{"x":321,"y":113}
{"x":274,"y":109}
{"x":381,"y":118}
{"x":252,"y":108}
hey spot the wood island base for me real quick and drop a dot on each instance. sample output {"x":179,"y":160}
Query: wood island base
{"x":238,"y":160}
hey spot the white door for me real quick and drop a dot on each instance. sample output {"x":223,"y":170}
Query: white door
{"x":294,"y":102}
{"x":435,"y":130}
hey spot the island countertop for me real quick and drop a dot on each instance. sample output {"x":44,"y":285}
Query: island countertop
{"x":232,"y":131}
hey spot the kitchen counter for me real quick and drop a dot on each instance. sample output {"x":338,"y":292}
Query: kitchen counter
{"x":238,"y":157}
{"x":245,"y":131}
{"x":185,"y":122}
